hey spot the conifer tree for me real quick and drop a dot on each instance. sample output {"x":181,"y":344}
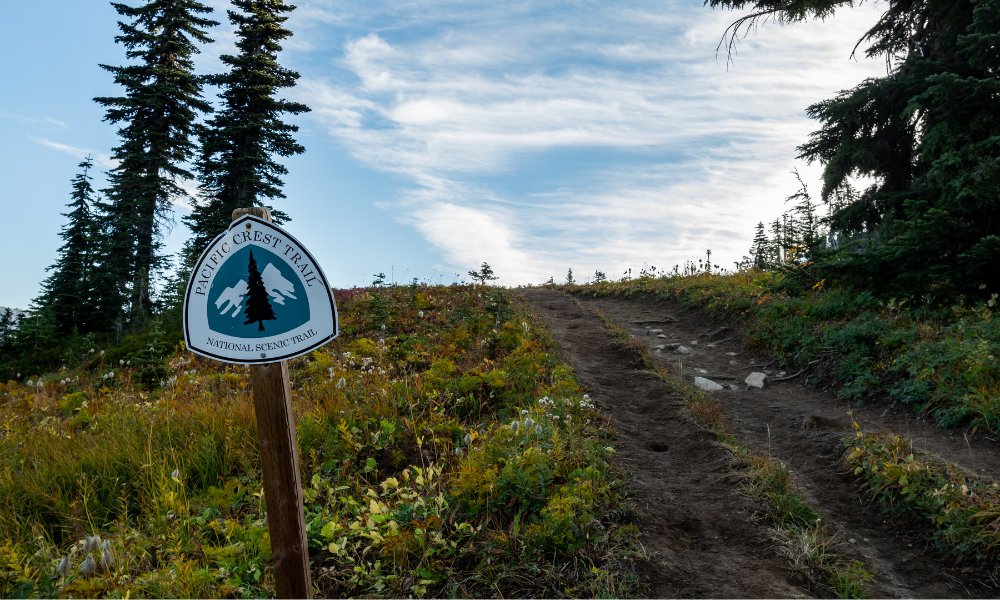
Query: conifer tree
{"x":760,"y":249}
{"x":237,"y":166}
{"x":259,"y":307}
{"x":8,"y":325}
{"x":927,"y":134}
{"x":161,"y":101}
{"x":68,"y":290}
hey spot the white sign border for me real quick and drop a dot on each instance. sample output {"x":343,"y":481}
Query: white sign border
{"x":269,"y":359}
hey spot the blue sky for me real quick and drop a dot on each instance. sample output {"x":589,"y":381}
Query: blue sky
{"x":535,"y":136}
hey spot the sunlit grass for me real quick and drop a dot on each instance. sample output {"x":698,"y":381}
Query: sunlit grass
{"x":444,"y":451}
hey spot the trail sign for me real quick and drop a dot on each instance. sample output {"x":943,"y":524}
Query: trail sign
{"x":257,"y":296}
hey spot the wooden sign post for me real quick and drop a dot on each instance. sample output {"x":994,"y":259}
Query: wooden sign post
{"x":279,"y":463}
{"x":257,"y":297}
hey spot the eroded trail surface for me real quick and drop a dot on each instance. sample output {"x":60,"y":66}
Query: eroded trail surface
{"x":685,"y":500}
{"x":687,"y":503}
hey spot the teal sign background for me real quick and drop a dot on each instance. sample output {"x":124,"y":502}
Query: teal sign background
{"x":285,"y":293}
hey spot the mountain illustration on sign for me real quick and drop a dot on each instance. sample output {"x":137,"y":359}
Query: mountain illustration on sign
{"x":261,"y":295}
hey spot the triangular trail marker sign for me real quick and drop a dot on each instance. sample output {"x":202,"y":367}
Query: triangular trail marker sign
{"x":257,"y":295}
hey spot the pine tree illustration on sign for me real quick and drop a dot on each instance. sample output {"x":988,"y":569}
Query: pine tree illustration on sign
{"x":258,"y":304}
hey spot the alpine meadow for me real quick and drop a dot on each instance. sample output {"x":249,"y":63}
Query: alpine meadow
{"x":196,"y":405}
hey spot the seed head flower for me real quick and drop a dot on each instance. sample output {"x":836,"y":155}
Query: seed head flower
{"x":63,"y":567}
{"x":88,"y":566}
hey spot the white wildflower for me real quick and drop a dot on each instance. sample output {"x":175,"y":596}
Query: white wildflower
{"x":458,"y":451}
{"x":514,"y":425}
{"x":524,"y":411}
{"x":107,"y":559}
{"x":528,"y":422}
{"x":341,"y":383}
{"x":468,"y":439}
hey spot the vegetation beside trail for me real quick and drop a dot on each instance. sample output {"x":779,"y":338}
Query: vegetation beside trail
{"x":941,"y":361}
{"x":963,"y":510}
{"x":810,"y":547}
{"x":445,"y":452}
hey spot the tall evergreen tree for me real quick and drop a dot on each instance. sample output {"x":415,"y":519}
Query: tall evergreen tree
{"x":259,"y":307}
{"x":8,"y":324}
{"x":804,"y":231}
{"x":928,"y":133}
{"x":760,"y":249}
{"x":68,"y":290}
{"x":162,"y":99}
{"x":237,"y":166}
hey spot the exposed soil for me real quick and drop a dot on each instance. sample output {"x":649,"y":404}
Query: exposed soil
{"x":695,"y":521}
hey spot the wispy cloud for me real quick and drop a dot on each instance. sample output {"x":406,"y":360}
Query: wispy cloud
{"x":644,"y":145}
{"x":100,"y":158}
{"x":45,"y":122}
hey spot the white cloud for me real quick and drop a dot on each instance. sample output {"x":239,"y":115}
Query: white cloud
{"x":45,"y":122}
{"x":694,"y":149}
{"x":100,"y":158}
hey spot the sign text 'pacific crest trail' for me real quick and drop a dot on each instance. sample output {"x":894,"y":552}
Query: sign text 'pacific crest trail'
{"x":257,"y":296}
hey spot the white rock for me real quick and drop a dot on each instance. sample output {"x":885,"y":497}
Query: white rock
{"x":682,"y":350}
{"x":756,"y":380}
{"x":655,"y":331}
{"x":702,"y":371}
{"x":662,"y":337}
{"x":707,"y":384}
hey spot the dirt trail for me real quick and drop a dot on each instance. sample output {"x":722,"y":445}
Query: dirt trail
{"x":686,"y":501}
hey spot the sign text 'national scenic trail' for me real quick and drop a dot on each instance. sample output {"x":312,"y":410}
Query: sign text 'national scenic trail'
{"x":257,"y":296}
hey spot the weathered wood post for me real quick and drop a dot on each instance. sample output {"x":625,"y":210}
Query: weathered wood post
{"x":279,"y":461}
{"x":257,"y":297}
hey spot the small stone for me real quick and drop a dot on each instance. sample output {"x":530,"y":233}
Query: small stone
{"x":655,"y":331}
{"x":682,"y":350}
{"x":707,"y":384}
{"x":662,"y":337}
{"x":694,"y":342}
{"x":659,"y":348}
{"x":756,"y":380}
{"x":702,"y":371}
